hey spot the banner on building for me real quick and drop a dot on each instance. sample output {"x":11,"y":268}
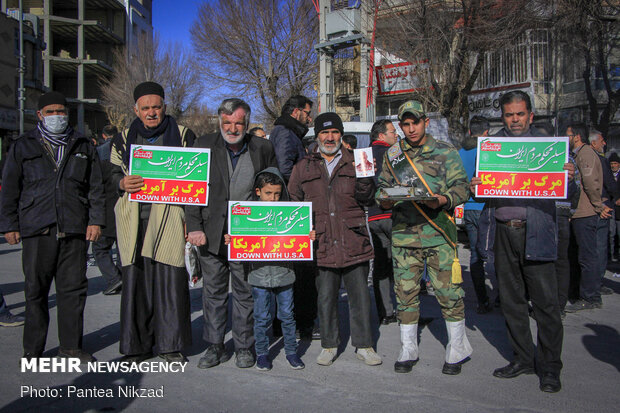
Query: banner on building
{"x":485,"y":102}
{"x":522,"y":167}
{"x":269,"y":231}
{"x":171,"y":175}
{"x":400,"y":78}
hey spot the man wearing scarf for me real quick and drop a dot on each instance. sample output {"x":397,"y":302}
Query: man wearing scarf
{"x":52,"y":200}
{"x":155,"y":307}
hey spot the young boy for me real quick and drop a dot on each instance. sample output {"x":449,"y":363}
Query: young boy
{"x":272,"y":278}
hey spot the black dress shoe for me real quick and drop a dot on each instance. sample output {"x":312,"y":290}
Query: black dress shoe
{"x":550,"y":383}
{"x":451,"y":369}
{"x":404,"y":366}
{"x":215,"y":354}
{"x":513,"y":370}
{"x":388,"y":319}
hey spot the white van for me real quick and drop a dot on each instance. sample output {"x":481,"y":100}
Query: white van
{"x":361,"y":130}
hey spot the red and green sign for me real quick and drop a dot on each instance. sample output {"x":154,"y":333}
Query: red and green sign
{"x":522,"y":167}
{"x":171,"y":175}
{"x":269,"y":231}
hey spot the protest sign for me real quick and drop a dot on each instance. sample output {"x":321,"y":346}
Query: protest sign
{"x":171,"y":175}
{"x":269,"y":231}
{"x":364,"y":163}
{"x":522,"y":167}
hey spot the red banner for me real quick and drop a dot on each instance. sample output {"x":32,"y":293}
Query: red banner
{"x":259,"y":248}
{"x":523,"y":185}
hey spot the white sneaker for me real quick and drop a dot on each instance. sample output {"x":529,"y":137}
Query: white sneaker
{"x":327,"y":356}
{"x":369,"y":356}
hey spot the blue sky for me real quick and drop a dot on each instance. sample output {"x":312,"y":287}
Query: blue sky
{"x":172,"y":19}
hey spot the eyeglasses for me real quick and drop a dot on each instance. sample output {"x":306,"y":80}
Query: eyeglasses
{"x":307,"y":112}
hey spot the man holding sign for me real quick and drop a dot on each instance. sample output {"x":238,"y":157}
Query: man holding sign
{"x":424,"y":234}
{"x":155,"y":309}
{"x":524,"y":235}
{"x":327,"y":179}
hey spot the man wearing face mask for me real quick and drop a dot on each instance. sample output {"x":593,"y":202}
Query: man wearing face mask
{"x":52,"y":200}
{"x":236,"y":158}
{"x":155,"y":308}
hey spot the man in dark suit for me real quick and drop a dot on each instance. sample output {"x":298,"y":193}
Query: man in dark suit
{"x":236,"y":157}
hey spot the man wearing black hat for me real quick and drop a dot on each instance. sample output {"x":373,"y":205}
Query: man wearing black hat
{"x":327,"y":178}
{"x":155,"y":309}
{"x":52,"y":200}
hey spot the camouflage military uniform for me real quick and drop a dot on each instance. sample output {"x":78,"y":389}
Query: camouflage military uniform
{"x":415,"y":241}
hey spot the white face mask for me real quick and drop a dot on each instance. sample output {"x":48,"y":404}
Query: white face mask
{"x":56,"y":123}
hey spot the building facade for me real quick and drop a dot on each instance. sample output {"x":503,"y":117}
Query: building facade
{"x":80,"y":37}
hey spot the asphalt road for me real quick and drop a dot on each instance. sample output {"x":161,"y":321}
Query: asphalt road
{"x":590,"y":377}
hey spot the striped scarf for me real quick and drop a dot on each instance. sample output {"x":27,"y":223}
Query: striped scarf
{"x":57,"y":141}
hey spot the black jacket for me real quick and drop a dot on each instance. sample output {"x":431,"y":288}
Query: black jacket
{"x":110,"y":186}
{"x":36,"y":194}
{"x":212,"y":218}
{"x":378,"y":150}
{"x":286,"y":138}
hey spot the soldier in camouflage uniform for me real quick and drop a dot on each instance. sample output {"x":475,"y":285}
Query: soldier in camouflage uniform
{"x":416,"y":241}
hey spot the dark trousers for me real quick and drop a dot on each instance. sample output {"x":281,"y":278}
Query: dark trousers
{"x":102,"y":250}
{"x":155,"y":307}
{"x":586,"y":235}
{"x":518,"y":276}
{"x":602,"y":245}
{"x":563,"y":263}
{"x":328,"y":285}
{"x":216,"y":271}
{"x":45,"y":258}
{"x":305,"y":294}
{"x":476,"y":264}
{"x":383,"y":271}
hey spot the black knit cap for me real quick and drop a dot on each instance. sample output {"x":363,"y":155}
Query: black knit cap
{"x":614,"y":157}
{"x":328,"y":120}
{"x":51,"y":98}
{"x":147,"y":88}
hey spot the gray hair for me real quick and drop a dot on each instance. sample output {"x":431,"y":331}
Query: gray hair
{"x":595,"y":135}
{"x":229,"y":106}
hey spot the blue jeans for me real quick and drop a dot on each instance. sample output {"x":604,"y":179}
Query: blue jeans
{"x":476,"y":264}
{"x":263,"y":316}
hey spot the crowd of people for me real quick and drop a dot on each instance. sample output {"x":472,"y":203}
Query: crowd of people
{"x":60,"y":193}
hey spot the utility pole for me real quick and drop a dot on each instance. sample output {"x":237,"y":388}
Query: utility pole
{"x":340,"y":29}
{"x":326,"y":62}
{"x":21,"y":69}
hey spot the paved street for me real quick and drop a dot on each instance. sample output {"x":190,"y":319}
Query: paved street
{"x":590,"y":377}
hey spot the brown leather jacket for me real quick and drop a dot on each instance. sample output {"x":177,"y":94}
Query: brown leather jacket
{"x":338,"y":208}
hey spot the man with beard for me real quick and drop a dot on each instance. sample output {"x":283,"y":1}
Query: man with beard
{"x":155,"y":309}
{"x":327,"y":179}
{"x":236,"y":157}
{"x":523,"y":235}
{"x":288,"y":132}
{"x":53,"y":201}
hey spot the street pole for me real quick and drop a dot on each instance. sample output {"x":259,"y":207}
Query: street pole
{"x":326,"y":60}
{"x":21,"y":70}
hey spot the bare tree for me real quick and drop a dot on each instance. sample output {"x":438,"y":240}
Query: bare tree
{"x":259,"y":49}
{"x":201,"y":120}
{"x":172,"y":67}
{"x":448,"y":39}
{"x":590,"y":28}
